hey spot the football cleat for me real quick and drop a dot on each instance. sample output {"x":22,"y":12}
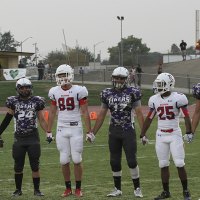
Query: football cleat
{"x":186,"y":195}
{"x":67,"y":192}
{"x":115,"y":193}
{"x":163,"y":195}
{"x":38,"y":193}
{"x":17,"y":193}
{"x":138,"y":193}
{"x":78,"y":193}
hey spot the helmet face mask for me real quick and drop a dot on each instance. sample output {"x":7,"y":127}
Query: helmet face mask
{"x":24,"y":87}
{"x":120,"y":77}
{"x":164,"y":83}
{"x":64,"y":75}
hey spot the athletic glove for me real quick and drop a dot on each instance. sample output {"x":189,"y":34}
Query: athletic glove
{"x":144,"y":140}
{"x":1,"y":142}
{"x":90,"y":137}
{"x":188,"y":137}
{"x":50,"y":137}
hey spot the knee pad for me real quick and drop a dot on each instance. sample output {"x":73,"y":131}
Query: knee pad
{"x":135,"y":173}
{"x":179,"y":162}
{"x":76,"y":157}
{"x":163,"y":163}
{"x":64,"y":158}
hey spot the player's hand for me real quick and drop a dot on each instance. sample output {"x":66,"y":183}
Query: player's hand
{"x":144,"y":140}
{"x":188,"y":137}
{"x":90,"y":137}
{"x":1,"y":142}
{"x":50,"y":137}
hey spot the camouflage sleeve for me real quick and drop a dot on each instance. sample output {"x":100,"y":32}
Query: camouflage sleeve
{"x":40,"y":103}
{"x":196,"y":91}
{"x":136,"y":94}
{"x":103,"y":95}
{"x":10,"y":102}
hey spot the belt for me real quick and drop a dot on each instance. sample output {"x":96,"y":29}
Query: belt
{"x":167,"y":130}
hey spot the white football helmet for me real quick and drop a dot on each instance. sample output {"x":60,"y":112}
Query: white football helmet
{"x":69,"y":75}
{"x":163,"y":83}
{"x":24,"y":82}
{"x":120,"y":72}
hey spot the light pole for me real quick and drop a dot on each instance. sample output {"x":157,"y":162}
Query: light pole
{"x":121,"y":50}
{"x":94,"y":50}
{"x":36,"y":49}
{"x":23,"y":42}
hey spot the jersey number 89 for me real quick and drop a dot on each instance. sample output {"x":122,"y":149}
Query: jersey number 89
{"x":67,"y":103}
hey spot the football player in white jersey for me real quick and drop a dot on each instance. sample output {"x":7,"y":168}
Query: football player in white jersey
{"x":167,"y":105}
{"x":196,"y":114}
{"x":70,"y":101}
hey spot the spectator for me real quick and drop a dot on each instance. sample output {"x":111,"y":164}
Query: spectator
{"x":160,"y":68}
{"x":183,"y":46}
{"x":41,"y":68}
{"x":139,"y":74}
{"x":132,"y":76}
{"x":21,"y":64}
{"x":25,"y":109}
{"x":81,"y":71}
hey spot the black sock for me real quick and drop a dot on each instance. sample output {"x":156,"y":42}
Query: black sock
{"x":36,"y":183}
{"x":78,"y":184}
{"x":18,"y":181}
{"x":184,"y":184}
{"x":165,"y":187}
{"x":136,"y":183}
{"x":117,"y":182}
{"x":68,"y":184}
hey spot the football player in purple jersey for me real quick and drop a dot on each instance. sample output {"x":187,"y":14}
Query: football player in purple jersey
{"x":196,"y":114}
{"x":25,"y":109}
{"x":121,"y":100}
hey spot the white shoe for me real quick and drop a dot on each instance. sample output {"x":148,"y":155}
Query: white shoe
{"x":115,"y":193}
{"x":138,"y":193}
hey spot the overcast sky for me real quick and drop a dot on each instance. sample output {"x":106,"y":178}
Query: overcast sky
{"x":159,"y":23}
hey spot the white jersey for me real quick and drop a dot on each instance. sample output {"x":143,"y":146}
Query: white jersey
{"x":168,"y":109}
{"x":67,"y":102}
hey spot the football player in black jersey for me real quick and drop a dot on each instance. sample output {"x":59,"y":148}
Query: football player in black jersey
{"x":26,"y":109}
{"x":121,"y":100}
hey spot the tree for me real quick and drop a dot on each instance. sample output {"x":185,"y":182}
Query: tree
{"x":7,"y":42}
{"x":74,"y":57}
{"x":175,"y":49}
{"x":132,"y":48}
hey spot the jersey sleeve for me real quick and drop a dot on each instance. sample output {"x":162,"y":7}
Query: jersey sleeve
{"x":181,"y":100}
{"x":151,"y":103}
{"x":10,"y":102}
{"x":196,"y":91}
{"x":83,"y":93}
{"x":40,"y":103}
{"x":136,"y":94}
{"x":51,"y":94}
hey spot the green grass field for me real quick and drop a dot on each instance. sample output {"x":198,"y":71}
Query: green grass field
{"x":97,"y":176}
{"x":42,"y":88}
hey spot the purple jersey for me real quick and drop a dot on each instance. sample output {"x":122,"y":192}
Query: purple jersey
{"x":25,"y":113}
{"x":121,"y":103}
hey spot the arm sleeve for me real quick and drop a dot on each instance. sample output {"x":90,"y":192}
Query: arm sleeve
{"x":5,"y":122}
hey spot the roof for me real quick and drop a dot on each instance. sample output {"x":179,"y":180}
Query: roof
{"x":15,"y":53}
